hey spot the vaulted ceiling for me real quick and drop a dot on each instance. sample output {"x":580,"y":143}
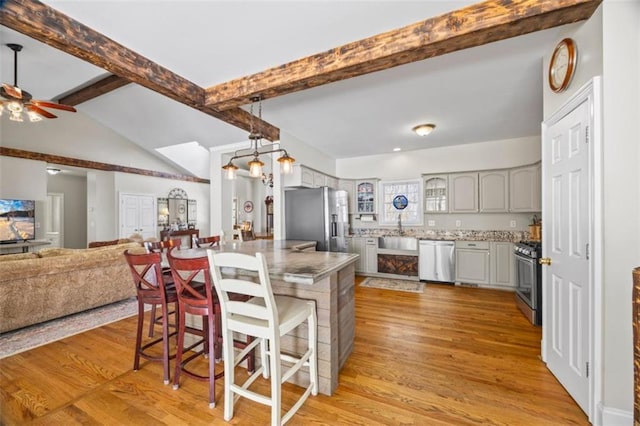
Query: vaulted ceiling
{"x":358,"y":74}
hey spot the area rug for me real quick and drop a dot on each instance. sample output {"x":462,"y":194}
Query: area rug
{"x":26,"y":338}
{"x":391,"y":284}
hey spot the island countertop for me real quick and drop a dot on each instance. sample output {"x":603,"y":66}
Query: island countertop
{"x":325,"y":277}
{"x":287,"y":260}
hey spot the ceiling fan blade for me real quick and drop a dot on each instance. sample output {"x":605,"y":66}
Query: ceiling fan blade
{"x":40,"y":111}
{"x":53,"y":105}
{"x":12,"y":91}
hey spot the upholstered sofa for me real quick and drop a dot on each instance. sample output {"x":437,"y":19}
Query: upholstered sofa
{"x":37,"y":287}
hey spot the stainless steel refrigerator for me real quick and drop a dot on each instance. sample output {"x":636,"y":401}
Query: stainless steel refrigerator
{"x":317,"y":214}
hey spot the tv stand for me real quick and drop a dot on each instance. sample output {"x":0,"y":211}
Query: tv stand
{"x":25,"y":246}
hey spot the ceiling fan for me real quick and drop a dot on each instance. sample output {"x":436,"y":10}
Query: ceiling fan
{"x":20,"y":102}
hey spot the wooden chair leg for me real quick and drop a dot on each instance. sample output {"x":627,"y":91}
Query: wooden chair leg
{"x":152,"y":323}
{"x":165,"y":345}
{"x":136,"y":360}
{"x":212,"y":350}
{"x":179,"y":349}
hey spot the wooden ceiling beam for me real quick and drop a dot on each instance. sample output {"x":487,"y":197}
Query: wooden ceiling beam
{"x":472,"y":26}
{"x":49,"y":26}
{"x":100,"y":87}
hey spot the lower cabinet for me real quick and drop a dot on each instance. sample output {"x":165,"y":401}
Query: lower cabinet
{"x":485,"y":263}
{"x":502,"y":264}
{"x":356,"y":245}
{"x":371,"y":255}
{"x":472,"y":262}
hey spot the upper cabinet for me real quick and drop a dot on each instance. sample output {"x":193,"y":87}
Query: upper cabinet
{"x":463,"y":193}
{"x":524,"y":189}
{"x":436,"y":194}
{"x":494,"y":191}
{"x":302,"y":176}
{"x":349,"y":186}
{"x":366,"y":196}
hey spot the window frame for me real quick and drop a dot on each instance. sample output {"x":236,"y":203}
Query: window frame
{"x":416,"y":216}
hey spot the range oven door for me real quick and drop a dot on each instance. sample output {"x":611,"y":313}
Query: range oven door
{"x":526,"y":280}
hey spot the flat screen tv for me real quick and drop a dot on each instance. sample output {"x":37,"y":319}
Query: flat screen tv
{"x":17,"y":220}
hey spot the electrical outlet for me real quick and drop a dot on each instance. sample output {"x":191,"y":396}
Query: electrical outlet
{"x":458,"y":223}
{"x":431,"y":223}
{"x":37,"y":225}
{"x":512,"y":224}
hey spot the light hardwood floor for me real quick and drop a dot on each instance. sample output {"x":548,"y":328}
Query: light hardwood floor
{"x":448,"y":356}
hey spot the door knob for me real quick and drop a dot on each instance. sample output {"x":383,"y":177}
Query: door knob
{"x":545,"y":261}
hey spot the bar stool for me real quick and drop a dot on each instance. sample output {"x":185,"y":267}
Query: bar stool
{"x":268,"y":318}
{"x":151,"y":289}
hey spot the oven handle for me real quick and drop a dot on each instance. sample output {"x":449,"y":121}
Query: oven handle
{"x":525,"y":258}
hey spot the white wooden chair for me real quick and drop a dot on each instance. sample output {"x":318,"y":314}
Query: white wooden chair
{"x":267,"y":317}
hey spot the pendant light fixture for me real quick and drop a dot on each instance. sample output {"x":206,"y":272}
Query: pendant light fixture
{"x":256,"y":150}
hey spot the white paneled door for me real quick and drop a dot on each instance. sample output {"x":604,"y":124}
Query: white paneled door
{"x":566,"y":280}
{"x":138,"y":215}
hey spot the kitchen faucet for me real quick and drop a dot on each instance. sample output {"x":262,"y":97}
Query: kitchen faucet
{"x":400,"y":231}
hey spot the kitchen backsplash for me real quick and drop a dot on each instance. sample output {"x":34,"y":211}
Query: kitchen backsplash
{"x":439,"y":234}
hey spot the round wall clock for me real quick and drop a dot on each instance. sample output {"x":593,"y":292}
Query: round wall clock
{"x":562,"y":65}
{"x":248,"y":206}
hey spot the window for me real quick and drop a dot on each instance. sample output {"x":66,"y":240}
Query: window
{"x":394,"y":190}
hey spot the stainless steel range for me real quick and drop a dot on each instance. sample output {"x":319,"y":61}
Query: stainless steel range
{"x":529,"y":279}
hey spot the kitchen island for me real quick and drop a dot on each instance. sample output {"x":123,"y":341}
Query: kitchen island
{"x":327,"y":278}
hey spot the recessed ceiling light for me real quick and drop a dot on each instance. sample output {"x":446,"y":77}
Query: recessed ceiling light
{"x":397,"y":149}
{"x":424,"y":129}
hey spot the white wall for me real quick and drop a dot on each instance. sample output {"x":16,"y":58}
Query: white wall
{"x":78,"y":136}
{"x":307,"y":155}
{"x":412,"y":164}
{"x":621,"y":138}
{"x":608,"y":45}
{"x":23,"y":179}
{"x":159,"y":187}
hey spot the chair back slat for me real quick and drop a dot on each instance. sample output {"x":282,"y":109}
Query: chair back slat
{"x":211,"y":241}
{"x":162,"y":246}
{"x":262,"y":306}
{"x":235,"y":285}
{"x":188,"y":276}
{"x":145,"y":269}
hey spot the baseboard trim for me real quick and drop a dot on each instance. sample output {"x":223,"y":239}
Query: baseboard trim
{"x":614,"y":417}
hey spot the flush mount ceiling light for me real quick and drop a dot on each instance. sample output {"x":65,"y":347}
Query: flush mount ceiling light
{"x":53,"y":170}
{"x":256,"y":150}
{"x":424,"y":129}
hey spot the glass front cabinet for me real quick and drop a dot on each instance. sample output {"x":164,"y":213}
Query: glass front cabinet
{"x":436,"y":194}
{"x":366,"y":196}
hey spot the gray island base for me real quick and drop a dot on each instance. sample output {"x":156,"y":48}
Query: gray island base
{"x":327,"y":278}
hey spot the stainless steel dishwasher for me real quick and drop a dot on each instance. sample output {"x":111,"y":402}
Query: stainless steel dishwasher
{"x":436,"y":260}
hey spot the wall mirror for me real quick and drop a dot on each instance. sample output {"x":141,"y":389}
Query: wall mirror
{"x":177,"y":211}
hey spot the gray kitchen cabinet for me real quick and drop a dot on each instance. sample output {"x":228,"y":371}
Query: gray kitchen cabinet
{"x":331,"y":182}
{"x":356,"y":245}
{"x":349,"y":185}
{"x":463,"y":193}
{"x":436,"y":194}
{"x":371,"y":255}
{"x":494,"y":191}
{"x":502,"y":271}
{"x":319,"y":179}
{"x":472,"y":262}
{"x":525,"y":189}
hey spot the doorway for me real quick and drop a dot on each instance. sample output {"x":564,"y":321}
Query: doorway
{"x":54,"y":219}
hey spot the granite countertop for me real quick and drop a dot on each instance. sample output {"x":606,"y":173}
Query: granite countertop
{"x":287,"y":259}
{"x":453,"y":235}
